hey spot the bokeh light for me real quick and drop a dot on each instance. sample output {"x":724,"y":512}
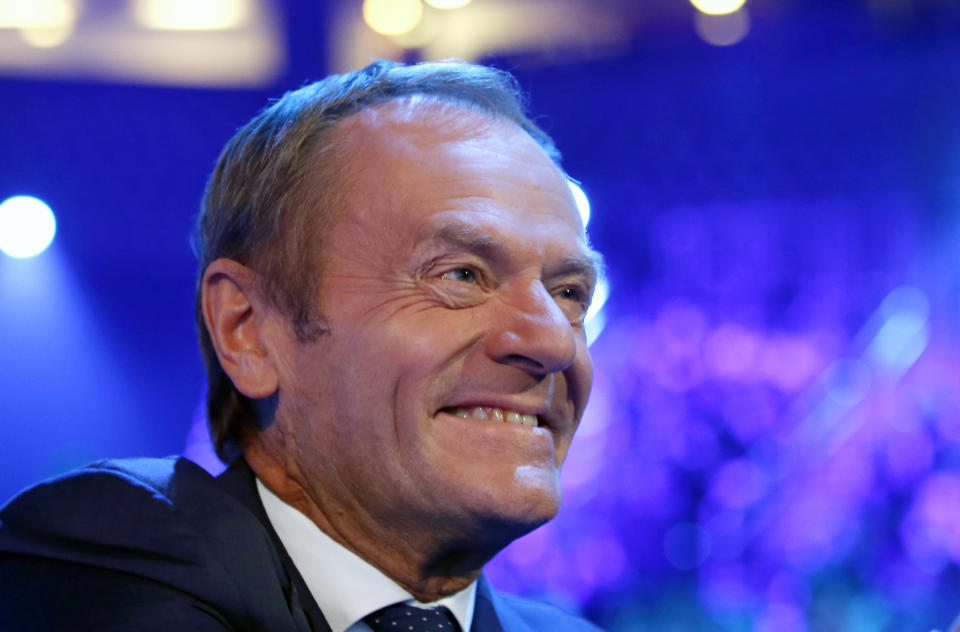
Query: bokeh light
{"x":192,"y":15}
{"x":47,"y":37}
{"x":448,"y":4}
{"x":725,"y":29}
{"x":36,"y":14}
{"x":42,"y":23}
{"x":392,"y":17}
{"x":717,"y":7}
{"x":27,"y":226}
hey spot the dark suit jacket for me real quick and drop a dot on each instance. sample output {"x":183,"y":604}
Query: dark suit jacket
{"x":159,"y":544}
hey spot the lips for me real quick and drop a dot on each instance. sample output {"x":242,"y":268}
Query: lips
{"x":493,"y":414}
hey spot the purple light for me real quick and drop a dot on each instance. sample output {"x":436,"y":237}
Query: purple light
{"x":730,"y":351}
{"x":651,"y":490}
{"x":601,"y":561}
{"x":931,"y":530}
{"x":781,"y":617}
{"x":680,"y":327}
{"x":679,"y":330}
{"x":529,"y":551}
{"x":694,"y":445}
{"x":810,"y":532}
{"x":908,"y":455}
{"x":750,"y":412}
{"x":738,"y":483}
{"x":789,"y":362}
{"x":788,"y":587}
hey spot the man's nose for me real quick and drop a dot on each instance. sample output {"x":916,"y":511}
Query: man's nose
{"x":532,"y":333}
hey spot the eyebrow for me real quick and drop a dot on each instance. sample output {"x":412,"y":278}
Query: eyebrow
{"x":461,"y":236}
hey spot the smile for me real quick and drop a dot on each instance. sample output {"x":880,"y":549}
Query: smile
{"x":490,"y":413}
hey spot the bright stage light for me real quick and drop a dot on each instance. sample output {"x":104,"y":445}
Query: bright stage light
{"x":47,"y":37}
{"x":583,"y":203}
{"x":392,"y":17}
{"x":722,"y":30}
{"x":41,"y":23}
{"x":448,"y":4}
{"x":192,"y":15}
{"x":717,"y":7}
{"x":36,"y":14}
{"x":27,"y":226}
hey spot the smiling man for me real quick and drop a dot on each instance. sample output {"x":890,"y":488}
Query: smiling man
{"x":394,"y":279}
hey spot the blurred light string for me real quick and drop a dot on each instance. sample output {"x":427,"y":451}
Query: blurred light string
{"x":897,"y":334}
{"x":895,"y":337}
{"x":904,"y":333}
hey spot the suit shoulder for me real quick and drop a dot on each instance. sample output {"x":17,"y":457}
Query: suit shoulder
{"x":542,"y":616}
{"x":104,"y":483}
{"x":117,"y":502}
{"x":138,"y":537}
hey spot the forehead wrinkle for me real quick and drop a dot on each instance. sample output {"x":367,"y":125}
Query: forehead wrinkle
{"x":463,"y":236}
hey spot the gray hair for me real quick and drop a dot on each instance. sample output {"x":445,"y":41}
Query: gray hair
{"x":258,"y":211}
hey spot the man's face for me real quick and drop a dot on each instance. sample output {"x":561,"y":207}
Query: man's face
{"x":455,"y":279}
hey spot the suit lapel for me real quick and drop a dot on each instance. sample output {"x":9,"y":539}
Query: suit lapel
{"x":489,"y":615}
{"x":239,"y":482}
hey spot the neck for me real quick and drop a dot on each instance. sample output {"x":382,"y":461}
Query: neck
{"x":428,"y":561}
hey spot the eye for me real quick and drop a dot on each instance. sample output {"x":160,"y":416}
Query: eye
{"x":574,"y":293}
{"x":574,"y":300}
{"x":571,"y":294}
{"x":466,"y":275}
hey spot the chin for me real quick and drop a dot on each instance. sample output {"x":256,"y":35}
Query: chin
{"x":533,"y":500}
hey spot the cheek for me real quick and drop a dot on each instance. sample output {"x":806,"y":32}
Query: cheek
{"x":388,"y":368}
{"x":581,"y":374}
{"x":428,"y":338}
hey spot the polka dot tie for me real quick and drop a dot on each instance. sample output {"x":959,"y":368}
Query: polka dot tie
{"x":403,"y":618}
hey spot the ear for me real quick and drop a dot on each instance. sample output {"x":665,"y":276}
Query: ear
{"x":235,"y":314}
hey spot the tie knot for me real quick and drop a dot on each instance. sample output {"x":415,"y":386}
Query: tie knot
{"x":403,"y":618}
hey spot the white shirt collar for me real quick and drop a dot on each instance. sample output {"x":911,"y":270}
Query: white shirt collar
{"x":346,"y":587}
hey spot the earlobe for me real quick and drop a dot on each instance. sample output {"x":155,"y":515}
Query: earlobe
{"x":234,"y":313}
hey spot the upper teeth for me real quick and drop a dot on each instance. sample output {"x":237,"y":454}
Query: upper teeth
{"x":494,"y":414}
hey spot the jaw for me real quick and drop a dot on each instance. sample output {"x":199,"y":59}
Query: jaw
{"x":505,"y":477}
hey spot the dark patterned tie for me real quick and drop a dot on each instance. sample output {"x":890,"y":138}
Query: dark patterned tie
{"x":403,"y":618}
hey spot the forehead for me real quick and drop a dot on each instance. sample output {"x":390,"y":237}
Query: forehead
{"x":408,"y":160}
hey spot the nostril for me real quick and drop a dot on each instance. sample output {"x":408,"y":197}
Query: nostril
{"x":525,"y":363}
